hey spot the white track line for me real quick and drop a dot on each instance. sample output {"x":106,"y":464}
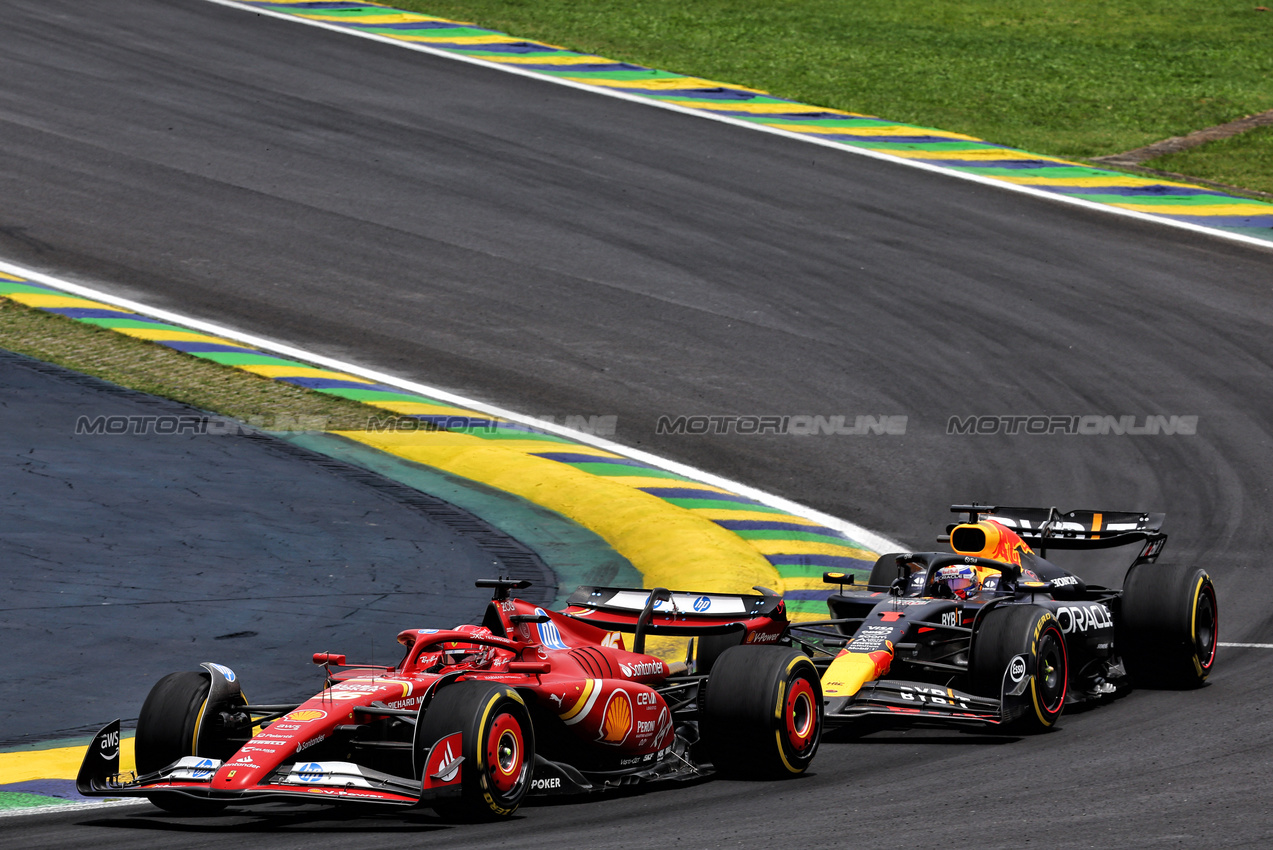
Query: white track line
{"x":866,"y":538}
{"x":1246,"y":645}
{"x":725,"y":119}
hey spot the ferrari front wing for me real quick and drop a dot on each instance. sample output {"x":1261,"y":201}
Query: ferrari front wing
{"x":323,"y":781}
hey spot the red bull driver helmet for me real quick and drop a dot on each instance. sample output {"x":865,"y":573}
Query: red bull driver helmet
{"x":962,"y":579}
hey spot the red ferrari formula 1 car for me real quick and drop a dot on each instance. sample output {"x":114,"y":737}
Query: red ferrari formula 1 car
{"x":475,"y":718}
{"x":996,"y":635}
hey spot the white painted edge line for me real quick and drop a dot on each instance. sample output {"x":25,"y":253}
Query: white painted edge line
{"x":1246,"y":645}
{"x":725,"y":119}
{"x":866,"y":538}
{"x":55,"y":808}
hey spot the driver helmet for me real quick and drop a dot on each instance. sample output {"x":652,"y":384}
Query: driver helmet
{"x":962,"y":579}
{"x":473,"y":654}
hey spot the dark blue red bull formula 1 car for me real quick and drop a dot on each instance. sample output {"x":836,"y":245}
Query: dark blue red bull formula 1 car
{"x":994,"y":634}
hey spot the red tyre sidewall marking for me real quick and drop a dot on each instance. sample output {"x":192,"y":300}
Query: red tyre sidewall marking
{"x":800,"y":735}
{"x":505,"y":729}
{"x":1051,"y":711}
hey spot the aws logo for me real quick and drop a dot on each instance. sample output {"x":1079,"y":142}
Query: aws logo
{"x":109,"y":746}
{"x":616,"y":718}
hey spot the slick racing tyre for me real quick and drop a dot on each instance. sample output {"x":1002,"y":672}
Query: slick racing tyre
{"x":176,"y":721}
{"x":761,"y":715}
{"x":1011,"y":630}
{"x":498,"y":746}
{"x":1168,"y":625}
{"x":710,"y":648}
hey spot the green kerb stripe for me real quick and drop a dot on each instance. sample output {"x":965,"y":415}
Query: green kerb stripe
{"x":379,"y":395}
{"x":722,"y":505}
{"x":246,"y":358}
{"x":780,"y":534}
{"x":1172,"y":200}
{"x":614,"y":470}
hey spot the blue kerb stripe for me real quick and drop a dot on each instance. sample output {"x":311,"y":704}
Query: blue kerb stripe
{"x":842,"y":562}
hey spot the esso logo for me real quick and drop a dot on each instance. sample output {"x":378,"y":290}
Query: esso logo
{"x":1016,"y":669}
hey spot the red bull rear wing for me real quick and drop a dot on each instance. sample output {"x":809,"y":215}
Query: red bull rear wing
{"x":1049,"y":528}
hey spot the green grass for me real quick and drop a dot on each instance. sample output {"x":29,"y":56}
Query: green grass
{"x":1245,"y":160}
{"x":155,"y":369}
{"x":1073,"y":78}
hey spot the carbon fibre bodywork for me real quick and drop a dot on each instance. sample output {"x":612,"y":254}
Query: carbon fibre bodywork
{"x":1026,"y":639}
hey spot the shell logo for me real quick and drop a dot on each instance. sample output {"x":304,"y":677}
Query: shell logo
{"x":306,"y":714}
{"x":616,"y":720}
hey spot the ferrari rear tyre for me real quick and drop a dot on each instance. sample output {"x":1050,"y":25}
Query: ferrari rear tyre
{"x":498,"y":746}
{"x":710,"y":648}
{"x":171,"y":726}
{"x":1168,"y":625}
{"x":761,"y":715}
{"x":1030,"y":630}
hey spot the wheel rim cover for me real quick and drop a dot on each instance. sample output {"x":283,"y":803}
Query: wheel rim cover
{"x":1051,"y":672}
{"x":505,"y":752}
{"x":801,"y":714}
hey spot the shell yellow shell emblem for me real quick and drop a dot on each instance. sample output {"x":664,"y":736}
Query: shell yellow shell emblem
{"x":305,"y":714}
{"x":616,"y":721}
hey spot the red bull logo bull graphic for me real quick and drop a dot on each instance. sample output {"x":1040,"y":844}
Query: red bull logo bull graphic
{"x":988,"y":539}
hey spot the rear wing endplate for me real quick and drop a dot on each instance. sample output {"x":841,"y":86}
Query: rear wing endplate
{"x":1048,"y":528}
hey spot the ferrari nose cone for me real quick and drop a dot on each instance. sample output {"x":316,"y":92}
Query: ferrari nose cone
{"x":237,"y":774}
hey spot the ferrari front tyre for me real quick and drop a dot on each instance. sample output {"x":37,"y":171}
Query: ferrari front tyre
{"x":761,"y":715}
{"x":172,"y":725}
{"x":1168,"y":625}
{"x":498,"y":746}
{"x":1032,"y":631}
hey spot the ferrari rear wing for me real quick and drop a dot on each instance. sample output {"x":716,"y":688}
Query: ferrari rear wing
{"x":1048,"y":528}
{"x":678,"y":612}
{"x":626,"y":603}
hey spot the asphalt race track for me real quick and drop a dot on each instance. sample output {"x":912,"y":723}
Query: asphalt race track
{"x":130,"y":555}
{"x":562,"y":253}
